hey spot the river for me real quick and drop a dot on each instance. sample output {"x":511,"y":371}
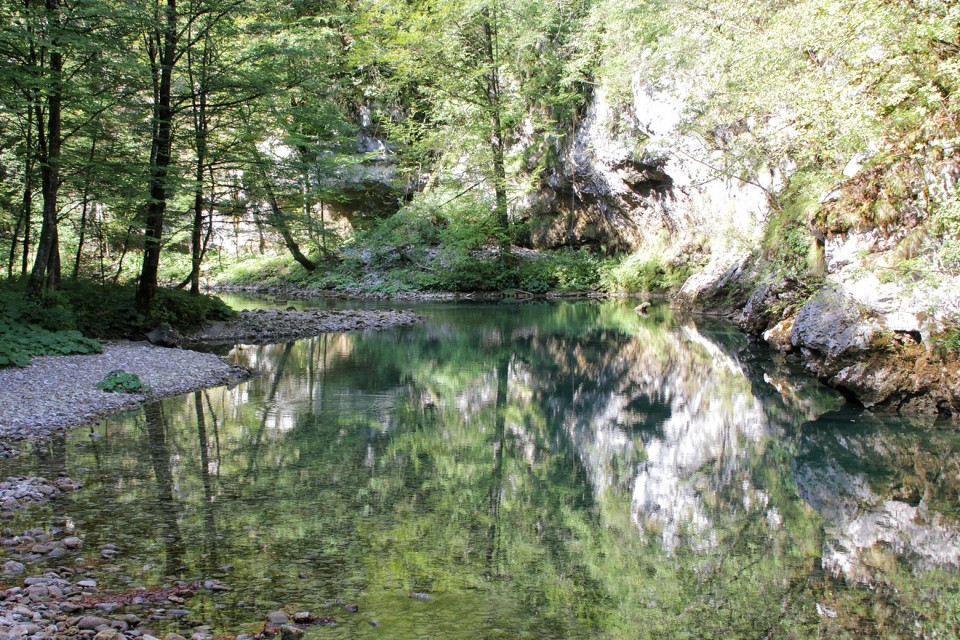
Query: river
{"x":536,"y":470}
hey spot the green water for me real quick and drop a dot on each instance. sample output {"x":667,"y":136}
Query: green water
{"x":567,"y":470}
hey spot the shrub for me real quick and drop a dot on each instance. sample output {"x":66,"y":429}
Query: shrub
{"x":640,"y":272}
{"x":119,"y":381}
{"x":19,"y":342}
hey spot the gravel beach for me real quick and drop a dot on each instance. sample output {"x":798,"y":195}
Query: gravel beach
{"x":59,"y":392}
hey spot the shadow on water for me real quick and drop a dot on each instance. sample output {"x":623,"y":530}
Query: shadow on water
{"x":568,"y":470}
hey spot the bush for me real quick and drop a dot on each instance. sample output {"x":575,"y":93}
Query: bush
{"x":119,"y":381}
{"x":56,"y":323}
{"x":644,"y":273}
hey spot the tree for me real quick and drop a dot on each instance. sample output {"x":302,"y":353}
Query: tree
{"x":162,"y":51}
{"x":477,"y":73}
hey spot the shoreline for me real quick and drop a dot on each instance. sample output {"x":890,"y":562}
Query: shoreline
{"x":57,"y":393}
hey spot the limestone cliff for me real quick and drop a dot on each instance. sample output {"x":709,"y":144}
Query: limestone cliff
{"x":631,"y":178}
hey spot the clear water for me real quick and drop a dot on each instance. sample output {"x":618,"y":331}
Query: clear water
{"x":541,"y":470}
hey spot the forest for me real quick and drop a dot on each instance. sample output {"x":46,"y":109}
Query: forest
{"x":383,"y":146}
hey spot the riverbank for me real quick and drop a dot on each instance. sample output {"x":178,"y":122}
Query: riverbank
{"x":267,"y":326}
{"x":55,"y":393}
{"x":883,"y":363}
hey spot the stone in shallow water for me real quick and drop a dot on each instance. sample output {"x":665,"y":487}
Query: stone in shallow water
{"x":289,"y":632}
{"x":277,"y":618}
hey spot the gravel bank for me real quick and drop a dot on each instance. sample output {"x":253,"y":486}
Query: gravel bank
{"x":270,"y":326}
{"x":59,"y":392}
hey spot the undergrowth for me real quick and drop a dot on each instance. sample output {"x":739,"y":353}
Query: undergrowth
{"x":68,"y":320}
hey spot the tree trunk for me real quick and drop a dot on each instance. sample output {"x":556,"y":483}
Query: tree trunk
{"x":46,"y":266}
{"x":493,"y":98}
{"x":280,"y":224}
{"x":85,"y":205}
{"x":23,"y":220}
{"x":278,"y":220}
{"x":160,"y":156}
{"x":198,"y":103}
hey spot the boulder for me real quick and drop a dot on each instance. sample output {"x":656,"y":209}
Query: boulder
{"x":165,"y":336}
{"x":832,"y":325}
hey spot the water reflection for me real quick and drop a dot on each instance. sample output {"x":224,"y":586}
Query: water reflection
{"x":544,"y":470}
{"x":887,"y":492}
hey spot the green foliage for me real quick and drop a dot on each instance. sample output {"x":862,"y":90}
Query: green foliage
{"x":106,"y":311}
{"x":947,"y":342}
{"x":119,"y":381}
{"x":946,"y":231}
{"x":641,"y":272}
{"x":182,"y":310}
{"x":25,"y":332}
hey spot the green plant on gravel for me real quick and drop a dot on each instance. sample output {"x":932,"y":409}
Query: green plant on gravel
{"x":119,"y":381}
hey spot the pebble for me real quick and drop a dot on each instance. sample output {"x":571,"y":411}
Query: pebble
{"x":278,"y":618}
{"x":17,"y":491}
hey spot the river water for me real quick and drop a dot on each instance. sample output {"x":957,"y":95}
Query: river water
{"x":539,"y":470}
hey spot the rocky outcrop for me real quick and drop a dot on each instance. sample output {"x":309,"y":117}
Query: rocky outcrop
{"x":883,"y":361}
{"x":629,"y":176}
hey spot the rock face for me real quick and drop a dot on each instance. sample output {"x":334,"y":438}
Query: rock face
{"x":630,"y":176}
{"x":874,"y":359}
{"x":829,"y":326}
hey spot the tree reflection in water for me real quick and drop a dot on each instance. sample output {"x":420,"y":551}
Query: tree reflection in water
{"x":544,"y":471}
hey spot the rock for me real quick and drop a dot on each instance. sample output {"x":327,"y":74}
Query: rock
{"x":277,"y":618}
{"x":165,"y":336}
{"x":13,"y":568}
{"x":778,"y":336}
{"x":87,"y":584}
{"x":289,"y":632}
{"x":92,"y":622}
{"x":215,"y":585}
{"x":22,"y":630}
{"x":352,"y":608}
{"x":303,"y":617}
{"x":832,"y":324}
{"x":109,"y":634}
{"x":420,"y":596}
{"x":173,"y":636}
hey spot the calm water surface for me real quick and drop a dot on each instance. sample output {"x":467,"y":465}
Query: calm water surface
{"x":542,"y":470}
